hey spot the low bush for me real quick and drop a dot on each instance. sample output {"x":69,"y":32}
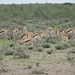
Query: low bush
{"x":37,"y":64}
{"x":11,"y":45}
{"x":66,"y":45}
{"x":29,"y":66}
{"x":20,"y":53}
{"x":53,"y":41}
{"x":39,"y":49}
{"x":72,"y":43}
{"x":40,"y":71}
{"x":9,"y":52}
{"x":46,"y":45}
{"x":59,"y":46}
{"x":30,"y":47}
{"x":6,"y":50}
{"x":49,"y":51}
{"x":70,"y":58}
{"x":72,"y":50}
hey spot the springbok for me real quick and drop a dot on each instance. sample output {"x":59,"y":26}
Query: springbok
{"x":16,"y":30}
{"x":26,"y":41}
{"x":26,"y":35}
{"x":4,"y":31}
{"x":71,"y":30}
{"x":45,"y":32}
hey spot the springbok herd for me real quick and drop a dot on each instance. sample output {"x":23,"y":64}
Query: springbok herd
{"x":31,"y":37}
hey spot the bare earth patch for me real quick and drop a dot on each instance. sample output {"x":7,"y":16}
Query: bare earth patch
{"x":40,"y":63}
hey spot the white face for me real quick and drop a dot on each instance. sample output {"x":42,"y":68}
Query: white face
{"x":35,"y":37}
{"x":2,"y":33}
{"x":25,"y":29}
{"x":70,"y":32}
{"x":14,"y":30}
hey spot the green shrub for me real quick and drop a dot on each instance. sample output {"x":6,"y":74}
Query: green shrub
{"x":49,"y":51}
{"x":39,"y":49}
{"x":30,"y":47}
{"x":29,"y":66}
{"x":20,"y":53}
{"x":11,"y":45}
{"x":40,"y":71}
{"x":72,"y":50}
{"x":59,"y":46}
{"x":66,"y":45}
{"x":7,"y":50}
{"x":70,"y":58}
{"x":37,"y":64}
{"x":72,"y":43}
{"x":46,"y":45}
{"x":53,"y":41}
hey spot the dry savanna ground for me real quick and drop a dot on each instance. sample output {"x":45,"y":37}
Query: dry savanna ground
{"x":40,"y":63}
